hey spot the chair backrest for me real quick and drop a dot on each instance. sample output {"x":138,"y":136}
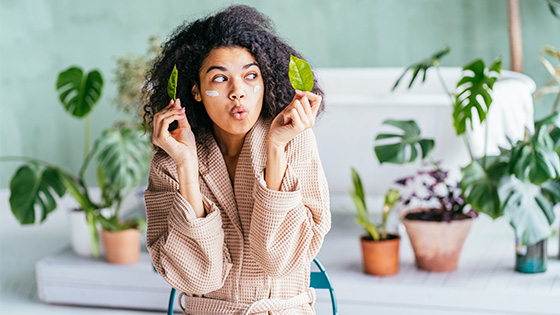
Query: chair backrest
{"x":319,"y":280}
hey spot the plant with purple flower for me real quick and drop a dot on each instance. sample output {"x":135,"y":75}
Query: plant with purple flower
{"x":433,"y":191}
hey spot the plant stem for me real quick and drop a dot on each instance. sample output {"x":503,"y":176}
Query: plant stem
{"x":442,"y":81}
{"x":485,"y":143}
{"x":86,"y":137}
{"x":555,"y":106}
{"x":467,"y":143}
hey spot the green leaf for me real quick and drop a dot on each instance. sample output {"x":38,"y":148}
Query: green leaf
{"x":422,"y":66}
{"x":301,"y":76}
{"x":552,"y":190}
{"x":91,"y":220}
{"x":172,"y":84}
{"x":536,"y":159}
{"x":362,"y":215}
{"x":552,"y":119}
{"x":110,"y":224}
{"x":78,"y":93}
{"x":529,"y":211}
{"x":123,"y":154}
{"x":474,"y":87}
{"x":76,"y":192}
{"x":554,"y":7}
{"x":480,"y":187}
{"x":33,"y":187}
{"x":409,"y":140}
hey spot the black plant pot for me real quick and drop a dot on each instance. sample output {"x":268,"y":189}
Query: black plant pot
{"x":532,"y":258}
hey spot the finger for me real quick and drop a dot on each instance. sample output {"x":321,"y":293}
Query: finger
{"x":166,"y":109}
{"x":306,"y":106}
{"x":315,"y":101}
{"x":302,"y":114}
{"x":297,"y":123}
{"x":183,"y":122}
{"x":164,"y":125}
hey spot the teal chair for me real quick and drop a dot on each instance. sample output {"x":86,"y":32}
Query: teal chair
{"x":319,"y":280}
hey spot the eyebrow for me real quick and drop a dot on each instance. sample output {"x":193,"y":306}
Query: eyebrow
{"x":224,"y":69}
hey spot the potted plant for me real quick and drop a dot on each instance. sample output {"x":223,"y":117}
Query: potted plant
{"x":122,"y":155}
{"x":434,"y":214}
{"x":380,"y":251}
{"x":552,"y":87}
{"x":522,"y":182}
{"x":436,"y":218}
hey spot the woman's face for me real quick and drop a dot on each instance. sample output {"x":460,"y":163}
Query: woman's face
{"x":231,"y":89}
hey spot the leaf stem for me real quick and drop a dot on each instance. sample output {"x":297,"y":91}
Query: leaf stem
{"x":467,"y":143}
{"x":436,"y":64}
{"x":86,"y":136}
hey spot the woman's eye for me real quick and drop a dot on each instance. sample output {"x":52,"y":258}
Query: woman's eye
{"x":219,"y":79}
{"x":251,"y":76}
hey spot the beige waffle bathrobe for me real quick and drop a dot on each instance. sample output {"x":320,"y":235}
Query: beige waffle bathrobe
{"x":252,"y":252}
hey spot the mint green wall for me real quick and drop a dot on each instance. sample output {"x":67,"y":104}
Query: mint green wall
{"x":39,"y":38}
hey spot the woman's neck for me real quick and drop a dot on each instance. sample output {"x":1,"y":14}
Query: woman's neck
{"x":230,"y":145}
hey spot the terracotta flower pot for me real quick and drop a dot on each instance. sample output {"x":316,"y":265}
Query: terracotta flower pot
{"x":381,"y":258}
{"x":437,"y":245}
{"x":122,"y":247}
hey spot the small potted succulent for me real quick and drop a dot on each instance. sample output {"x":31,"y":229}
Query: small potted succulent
{"x":436,"y":218}
{"x":380,"y":250}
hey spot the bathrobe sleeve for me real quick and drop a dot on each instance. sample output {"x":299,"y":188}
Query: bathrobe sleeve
{"x":288,"y":226}
{"x":188,"y":252}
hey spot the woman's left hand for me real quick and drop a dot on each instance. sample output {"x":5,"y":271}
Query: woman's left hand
{"x":294,"y":119}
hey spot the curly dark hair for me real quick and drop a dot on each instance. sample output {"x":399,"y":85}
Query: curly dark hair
{"x":191,"y":43}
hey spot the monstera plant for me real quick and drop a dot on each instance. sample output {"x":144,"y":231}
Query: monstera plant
{"x":121,"y":153}
{"x":522,"y":183}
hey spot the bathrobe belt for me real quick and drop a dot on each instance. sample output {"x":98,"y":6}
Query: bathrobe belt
{"x":207,"y":306}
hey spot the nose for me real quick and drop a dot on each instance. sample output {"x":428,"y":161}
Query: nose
{"x":237,"y":93}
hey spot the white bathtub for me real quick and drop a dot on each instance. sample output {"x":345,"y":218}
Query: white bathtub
{"x":358,"y":100}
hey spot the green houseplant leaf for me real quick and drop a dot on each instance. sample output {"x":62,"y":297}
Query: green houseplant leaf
{"x":362,"y":214}
{"x":474,"y":88}
{"x":172,"y":84}
{"x":410,"y":138}
{"x":123,"y":155}
{"x":536,"y":158}
{"x":301,"y":76}
{"x":480,"y":186}
{"x":31,"y":187}
{"x":423,"y":67}
{"x":529,"y":211}
{"x":79,"y":93}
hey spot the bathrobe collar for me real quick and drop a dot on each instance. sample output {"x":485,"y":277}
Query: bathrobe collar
{"x":213,"y":169}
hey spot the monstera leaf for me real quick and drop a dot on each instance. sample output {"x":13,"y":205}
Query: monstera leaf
{"x":529,"y":211}
{"x":474,"y":86}
{"x":79,"y":93}
{"x":33,"y":187}
{"x":410,"y":138}
{"x":480,"y":186}
{"x":422,"y":66}
{"x":123,"y":155}
{"x":552,"y":190}
{"x":536,"y":159}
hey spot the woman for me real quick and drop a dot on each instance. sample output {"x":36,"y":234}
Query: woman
{"x":237,"y":200}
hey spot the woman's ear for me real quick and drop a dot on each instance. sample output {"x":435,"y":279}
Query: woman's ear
{"x":196,"y":93}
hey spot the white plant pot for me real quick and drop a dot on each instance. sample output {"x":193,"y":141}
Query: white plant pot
{"x":79,"y":233}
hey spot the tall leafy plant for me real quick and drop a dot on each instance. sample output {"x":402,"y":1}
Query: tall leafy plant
{"x":121,"y":154}
{"x":522,"y":182}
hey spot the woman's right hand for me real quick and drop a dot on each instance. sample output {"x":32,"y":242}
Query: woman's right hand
{"x":180,"y":144}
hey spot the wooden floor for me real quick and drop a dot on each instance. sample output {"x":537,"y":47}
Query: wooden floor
{"x":484,"y":284}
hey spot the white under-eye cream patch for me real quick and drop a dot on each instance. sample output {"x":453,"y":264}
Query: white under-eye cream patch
{"x":257,"y":88}
{"x":212,"y":93}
